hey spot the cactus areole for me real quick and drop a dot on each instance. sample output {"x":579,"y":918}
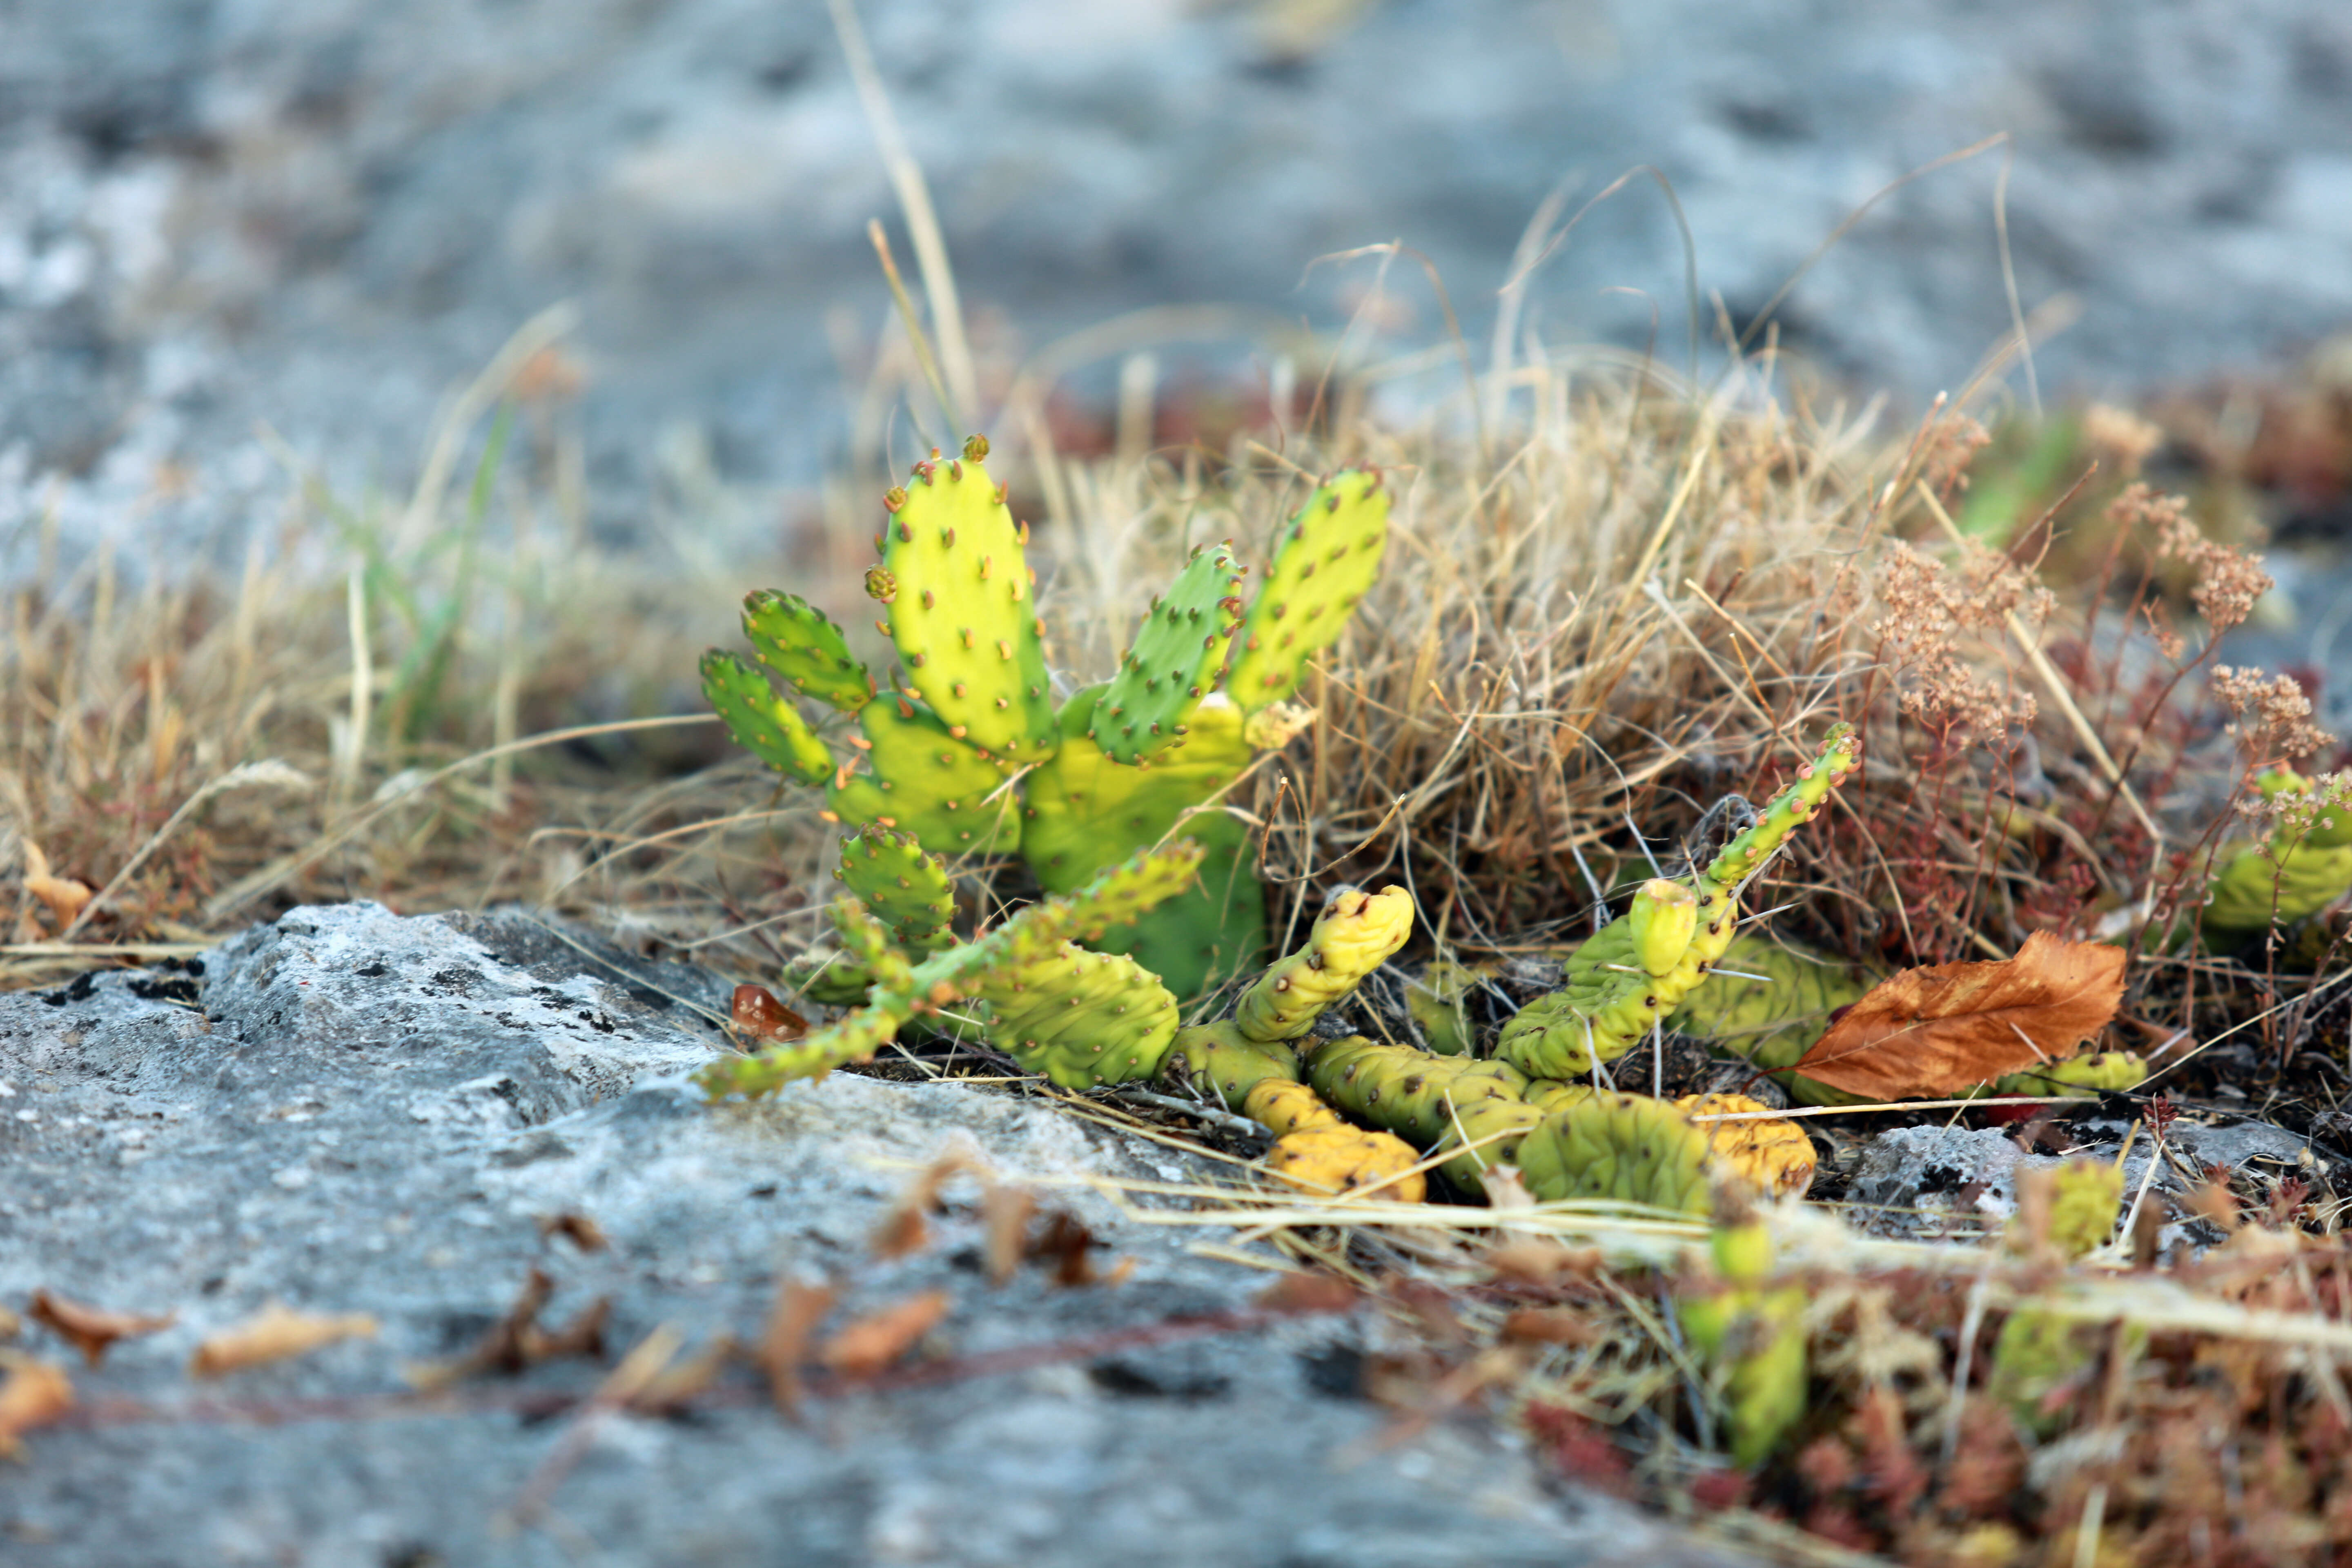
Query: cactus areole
{"x":965,"y":749}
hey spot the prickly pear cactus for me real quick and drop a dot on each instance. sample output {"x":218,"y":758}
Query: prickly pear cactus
{"x":1437,"y":1103}
{"x":965,"y":749}
{"x":1625,"y":1147}
{"x":905,"y":889}
{"x":1225,"y":1065}
{"x":1435,"y":1001}
{"x":900,"y":990}
{"x":2085,"y":1076}
{"x":1771,"y":1154}
{"x":1633,"y":972}
{"x":1357,"y":933}
{"x":805,"y":649}
{"x":1317,"y":1152}
{"x":1752,"y":1339}
{"x":1771,"y":1022}
{"x":1081,"y":1019}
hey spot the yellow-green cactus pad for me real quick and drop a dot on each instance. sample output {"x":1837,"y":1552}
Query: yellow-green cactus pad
{"x":1753,"y":1341}
{"x":854,"y":1038}
{"x":1177,"y":658}
{"x":906,"y":889}
{"x":923,"y":781}
{"x":1223,"y":1064}
{"x":1773,"y":1155}
{"x":962,"y":612}
{"x":1435,"y":1103}
{"x":1357,"y":933}
{"x":1081,"y":1019}
{"x":1325,"y":561}
{"x":1771,"y":1022}
{"x":805,"y":649}
{"x":1336,"y":1158}
{"x":1626,"y":1147}
{"x":1436,"y":1000}
{"x":2085,"y":1077}
{"x":2086,"y":1196}
{"x":1663,"y":919}
{"x":763,"y":721}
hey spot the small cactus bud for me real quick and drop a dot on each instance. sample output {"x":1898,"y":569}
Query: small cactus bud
{"x":975,"y":448}
{"x":880,"y":584}
{"x":1665,"y":918}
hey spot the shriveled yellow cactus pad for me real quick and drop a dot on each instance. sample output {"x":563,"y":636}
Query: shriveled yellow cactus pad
{"x":1337,"y":1158}
{"x":1774,"y":1156}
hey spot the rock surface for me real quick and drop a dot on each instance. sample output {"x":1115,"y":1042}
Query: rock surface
{"x":353,"y":1111}
{"x":324,"y":213}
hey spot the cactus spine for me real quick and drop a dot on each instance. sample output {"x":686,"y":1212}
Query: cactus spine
{"x":1633,"y":972}
{"x":1121,"y":766}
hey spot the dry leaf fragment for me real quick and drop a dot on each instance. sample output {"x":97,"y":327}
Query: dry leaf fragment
{"x":799,"y":1308}
{"x":1931,"y":1032}
{"x":758,"y":1015}
{"x":63,"y":895}
{"x":1004,"y":1213}
{"x":516,"y":1341}
{"x":873,"y":1342}
{"x":34,"y":1393}
{"x":274,"y":1334}
{"x":11,"y":1325}
{"x":90,"y":1330}
{"x":1550,"y":1326}
{"x":575,"y":1228}
{"x":1541,"y":1262}
{"x":1299,"y":1292}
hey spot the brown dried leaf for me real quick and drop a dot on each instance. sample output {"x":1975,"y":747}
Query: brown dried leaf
{"x":63,"y":895}
{"x":871,"y":1343}
{"x":1300,"y":1292}
{"x":1931,"y":1032}
{"x":1541,"y":1262}
{"x":274,"y":1334}
{"x":90,"y":1330}
{"x":1550,"y":1326}
{"x":575,"y":1228}
{"x":903,"y":1230}
{"x":34,"y":1393}
{"x":758,"y":1015}
{"x":516,"y":1341}
{"x":1004,"y":1213}
{"x":799,"y":1308}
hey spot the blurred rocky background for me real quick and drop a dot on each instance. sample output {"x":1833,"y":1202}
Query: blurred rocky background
{"x":322,"y":215}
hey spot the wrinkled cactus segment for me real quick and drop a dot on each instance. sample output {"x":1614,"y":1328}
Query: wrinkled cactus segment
{"x":962,"y":613}
{"x":764,"y":722}
{"x":1081,"y":1019}
{"x":918,"y":778}
{"x":1317,"y":1151}
{"x":1436,"y":1103}
{"x":1625,"y":1147}
{"x":1357,"y":933}
{"x":1177,"y":658}
{"x":1225,"y":1066}
{"x":1771,"y":1154}
{"x":1612,"y":996}
{"x":2085,"y":1077}
{"x":1770,"y":1023}
{"x":905,"y":889}
{"x":807,"y":652}
{"x":1435,"y":1001}
{"x":901,"y":992}
{"x":1083,"y":810}
{"x":1325,"y":561}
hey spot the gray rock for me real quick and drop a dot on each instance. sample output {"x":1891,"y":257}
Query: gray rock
{"x":353,"y":1111}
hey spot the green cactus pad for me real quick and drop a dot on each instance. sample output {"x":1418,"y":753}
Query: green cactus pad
{"x":1753,"y":1341}
{"x":835,"y":979}
{"x":2094,"y":1073}
{"x":1626,"y":1147}
{"x":1786,"y":811}
{"x":854,"y":1038}
{"x":1770,"y":1023}
{"x":1081,"y":1019}
{"x":763,"y":721}
{"x":1084,"y":811}
{"x":806,"y":650}
{"x":925,"y":782}
{"x":1326,"y":560}
{"x":1118,"y":896}
{"x":1357,"y":933}
{"x":1436,"y":1000}
{"x":905,"y":889}
{"x":964,"y":614}
{"x":1436,"y":1103}
{"x":1178,"y":658}
{"x":1223,"y":1064}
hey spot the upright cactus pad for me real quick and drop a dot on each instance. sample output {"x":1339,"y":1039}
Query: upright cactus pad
{"x":764,"y":722}
{"x":1081,"y":1019}
{"x":1612,"y":996}
{"x":906,"y":889}
{"x":962,"y":611}
{"x":1325,"y":561}
{"x":1753,"y":1340}
{"x":920,"y":778}
{"x":1357,"y":933}
{"x":806,"y":650}
{"x":1177,"y":658}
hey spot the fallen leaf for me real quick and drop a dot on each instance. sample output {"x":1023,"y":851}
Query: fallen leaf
{"x":34,"y":1393}
{"x":675,"y":1385}
{"x":516,"y":1341}
{"x":758,"y":1015}
{"x":871,"y":1343}
{"x":575,"y":1228}
{"x":90,"y":1330}
{"x":1297,"y":1292}
{"x":1004,"y":1213}
{"x":276,"y":1332}
{"x":63,"y":895}
{"x":1067,"y":1241}
{"x":799,"y":1308}
{"x":1932,"y":1031}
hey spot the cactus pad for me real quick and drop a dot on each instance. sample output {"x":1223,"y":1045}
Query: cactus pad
{"x":1081,"y":1019}
{"x":1325,"y":561}
{"x":1772,"y":1022}
{"x":763,"y":721}
{"x":1337,"y":1158}
{"x":1774,"y":1156}
{"x":2094,"y":1073}
{"x":806,"y":650}
{"x":1178,"y":658}
{"x":925,"y":782}
{"x":1437,"y":1103}
{"x":964,"y":615}
{"x":1227,"y":1068}
{"x":1627,"y":1147}
{"x":905,"y":889}
{"x":1753,"y":1340}
{"x":1357,"y":933}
